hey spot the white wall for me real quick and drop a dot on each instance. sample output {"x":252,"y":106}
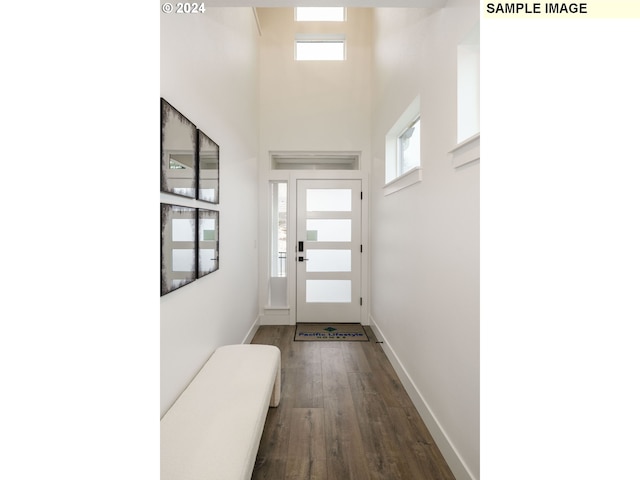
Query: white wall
{"x":425,"y":238}
{"x":317,"y":105}
{"x":310,"y":106}
{"x":209,"y":71}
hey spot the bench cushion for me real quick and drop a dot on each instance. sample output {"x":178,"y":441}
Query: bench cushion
{"x":213,"y":430}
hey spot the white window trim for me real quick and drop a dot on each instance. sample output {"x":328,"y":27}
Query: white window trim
{"x":315,"y":160}
{"x":466,"y":151}
{"x":405,"y":180}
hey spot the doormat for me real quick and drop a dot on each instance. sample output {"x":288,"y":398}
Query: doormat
{"x":350,"y":332}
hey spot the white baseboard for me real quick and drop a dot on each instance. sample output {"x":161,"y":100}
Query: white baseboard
{"x":252,"y":331}
{"x":449,"y":452}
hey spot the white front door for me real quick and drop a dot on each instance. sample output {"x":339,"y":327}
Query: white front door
{"x":328,"y":251}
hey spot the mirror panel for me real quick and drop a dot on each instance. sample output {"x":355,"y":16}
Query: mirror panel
{"x":178,"y":137}
{"x":177,"y":247}
{"x":208,"y":169}
{"x":208,"y":241}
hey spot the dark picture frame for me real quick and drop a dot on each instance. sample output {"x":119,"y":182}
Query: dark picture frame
{"x":208,"y":169}
{"x":178,"y":152}
{"x":208,"y":241}
{"x":178,"y":246}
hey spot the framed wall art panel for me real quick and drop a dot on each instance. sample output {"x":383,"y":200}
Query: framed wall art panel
{"x":178,"y":247}
{"x":208,"y":241}
{"x":178,"y":152}
{"x":208,"y":169}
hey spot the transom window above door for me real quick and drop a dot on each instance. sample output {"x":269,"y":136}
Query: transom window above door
{"x":288,"y":160}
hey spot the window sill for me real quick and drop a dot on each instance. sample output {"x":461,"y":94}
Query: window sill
{"x":466,"y":151}
{"x":405,"y":180}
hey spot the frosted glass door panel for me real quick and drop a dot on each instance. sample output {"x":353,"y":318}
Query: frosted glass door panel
{"x":329,"y":200}
{"x":328,"y":260}
{"x":329,"y":230}
{"x":328,"y":291}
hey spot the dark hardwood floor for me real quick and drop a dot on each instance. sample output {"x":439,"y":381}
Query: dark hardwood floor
{"x":343,"y":415}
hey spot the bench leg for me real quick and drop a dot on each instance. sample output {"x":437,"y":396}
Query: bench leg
{"x":275,"y":395}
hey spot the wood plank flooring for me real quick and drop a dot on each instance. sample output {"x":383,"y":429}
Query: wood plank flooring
{"x":343,"y":415}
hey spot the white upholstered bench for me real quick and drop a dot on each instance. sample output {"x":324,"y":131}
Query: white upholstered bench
{"x":213,"y":430}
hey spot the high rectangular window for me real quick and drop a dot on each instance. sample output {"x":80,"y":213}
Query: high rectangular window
{"x":316,"y":47}
{"x":402,"y":144}
{"x":469,"y":85}
{"x":319,"y":14}
{"x":409,"y":148}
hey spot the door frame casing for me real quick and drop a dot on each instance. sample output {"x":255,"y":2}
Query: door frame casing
{"x":287,"y":315}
